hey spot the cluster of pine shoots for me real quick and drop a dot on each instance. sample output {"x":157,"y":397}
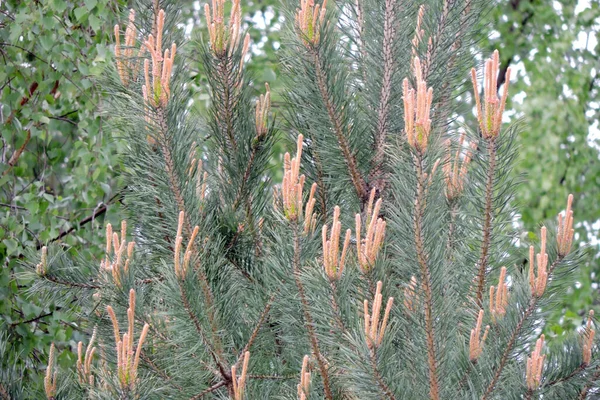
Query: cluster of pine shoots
{"x":230,"y":286}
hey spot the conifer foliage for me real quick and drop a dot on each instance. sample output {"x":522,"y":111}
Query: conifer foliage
{"x":385,"y":265}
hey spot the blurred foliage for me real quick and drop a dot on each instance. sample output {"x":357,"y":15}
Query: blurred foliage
{"x":57,"y":165}
{"x":553,"y":48}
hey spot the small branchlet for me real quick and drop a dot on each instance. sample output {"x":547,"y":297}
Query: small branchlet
{"x":368,"y":248}
{"x":181,"y":268}
{"x":116,"y":250}
{"x":538,"y":281}
{"x":499,"y":297}
{"x":332,"y":262}
{"x":304,"y":385}
{"x":417,"y":110}
{"x":126,"y":64}
{"x":157,"y":92}
{"x":84,"y":361}
{"x":42,"y":268}
{"x":490,"y":113}
{"x":224,"y":40}
{"x":239,"y":384}
{"x":51,"y":374}
{"x":201,"y":179}
{"x":291,"y":190}
{"x":535,"y":366}
{"x":476,"y":341}
{"x":410,"y":295}
{"x":588,"y":339}
{"x":375,"y":330}
{"x":455,"y":169}
{"x":309,"y":21}
{"x":263,"y":106}
{"x":564,"y":237}
{"x":127,"y":359}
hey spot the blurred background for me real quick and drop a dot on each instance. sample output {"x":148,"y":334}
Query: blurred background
{"x":60,"y":170}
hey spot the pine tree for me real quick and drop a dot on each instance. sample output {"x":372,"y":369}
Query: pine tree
{"x":387,"y":264}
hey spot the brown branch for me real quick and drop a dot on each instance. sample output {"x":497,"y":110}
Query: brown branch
{"x":382,"y":385}
{"x":584,"y":392}
{"x":426,"y":279}
{"x":209,"y":390}
{"x":261,"y":320}
{"x":223,"y":369}
{"x":98,"y":211}
{"x":17,"y":154}
{"x":160,"y":372}
{"x":336,"y":120}
{"x":573,"y":374}
{"x":273,"y":377}
{"x":71,"y":284}
{"x":487,"y":224}
{"x":308,"y":318}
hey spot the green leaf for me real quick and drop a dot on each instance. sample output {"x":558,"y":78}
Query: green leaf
{"x":81,"y":13}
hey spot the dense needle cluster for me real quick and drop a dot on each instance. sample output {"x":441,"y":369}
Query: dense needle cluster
{"x":374,"y":327}
{"x":539,"y":278}
{"x":417,"y":109}
{"x":476,"y":341}
{"x":291,"y":191}
{"x":309,"y":20}
{"x":535,"y":365}
{"x":368,"y":248}
{"x":119,"y":253}
{"x":225,"y":39}
{"x":489,"y":114}
{"x":332,"y":261}
{"x":156,"y":91}
{"x":127,"y":65}
{"x":499,"y":297}
{"x":84,"y":361}
{"x":128,"y":357}
{"x":455,"y":168}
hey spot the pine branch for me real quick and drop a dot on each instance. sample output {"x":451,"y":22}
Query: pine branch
{"x":209,"y":390}
{"x":259,"y":324}
{"x":226,"y":105}
{"x":380,"y":382}
{"x":159,"y":371}
{"x":426,"y":278}
{"x":70,"y":284}
{"x":515,"y":335}
{"x":487,"y":223}
{"x":584,"y":392}
{"x":98,"y":211}
{"x":307,"y":317}
{"x":223,"y":370}
{"x":175,"y":185}
{"x":384,"y":96}
{"x":336,"y":120}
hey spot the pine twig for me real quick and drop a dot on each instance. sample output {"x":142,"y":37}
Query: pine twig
{"x":380,"y":382}
{"x":357,"y":180}
{"x":307,"y":317}
{"x":384,"y":96}
{"x":426,"y":279}
{"x":209,"y":390}
{"x":259,"y":324}
{"x":487,"y":223}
